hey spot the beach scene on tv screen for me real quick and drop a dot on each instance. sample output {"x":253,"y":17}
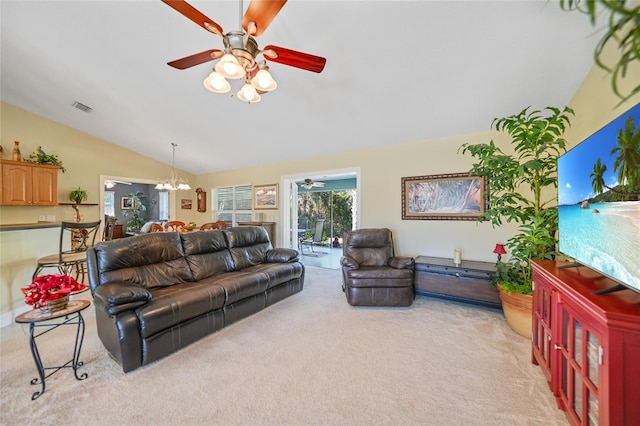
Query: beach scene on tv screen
{"x":598,"y":200}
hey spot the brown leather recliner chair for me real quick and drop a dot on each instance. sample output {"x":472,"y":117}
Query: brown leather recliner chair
{"x":371,"y":274}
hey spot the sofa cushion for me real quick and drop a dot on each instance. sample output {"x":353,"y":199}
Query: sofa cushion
{"x":248,"y":245}
{"x":240,"y":284}
{"x":150,"y":260}
{"x":207,"y":253}
{"x":176,"y":304}
{"x":277,"y":273}
{"x":380,"y":276}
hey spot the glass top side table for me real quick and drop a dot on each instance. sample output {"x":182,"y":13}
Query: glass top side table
{"x":71,"y":315}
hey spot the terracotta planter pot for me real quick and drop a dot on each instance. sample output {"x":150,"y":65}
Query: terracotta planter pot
{"x":518,"y":310}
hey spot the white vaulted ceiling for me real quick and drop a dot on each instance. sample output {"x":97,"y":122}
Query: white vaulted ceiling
{"x":397,"y":71}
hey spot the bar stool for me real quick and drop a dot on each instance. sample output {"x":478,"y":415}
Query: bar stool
{"x":83,"y":237}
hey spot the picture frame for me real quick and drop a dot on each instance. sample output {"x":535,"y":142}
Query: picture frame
{"x":453,"y":196}
{"x":265,"y":196}
{"x":186,"y":203}
{"x":126,"y":203}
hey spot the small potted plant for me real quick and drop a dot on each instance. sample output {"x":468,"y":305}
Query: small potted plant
{"x":51,"y":292}
{"x":78,"y":195}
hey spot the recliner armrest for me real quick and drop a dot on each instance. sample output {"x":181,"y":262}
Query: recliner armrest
{"x":282,"y":255}
{"x":401,"y":262}
{"x":116,"y":297}
{"x":349,"y":262}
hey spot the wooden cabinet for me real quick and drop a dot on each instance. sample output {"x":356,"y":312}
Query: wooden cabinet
{"x":118,"y":231}
{"x":269,"y":226}
{"x":468,"y":282}
{"x":587,"y":345}
{"x":28,"y":184}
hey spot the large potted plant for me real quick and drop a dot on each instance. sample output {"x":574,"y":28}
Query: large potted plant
{"x":522,"y":189}
{"x":139,"y":204}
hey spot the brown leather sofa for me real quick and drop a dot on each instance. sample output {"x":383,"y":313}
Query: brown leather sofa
{"x":371,"y":274}
{"x":159,"y":292}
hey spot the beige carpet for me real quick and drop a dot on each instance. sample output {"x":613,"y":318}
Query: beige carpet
{"x":309,"y":359}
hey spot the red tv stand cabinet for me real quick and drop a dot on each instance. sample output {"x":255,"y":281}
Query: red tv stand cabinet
{"x":587,"y":345}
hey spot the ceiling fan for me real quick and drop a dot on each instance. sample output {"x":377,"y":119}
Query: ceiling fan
{"x":110,"y":183}
{"x":238,"y":59}
{"x":308,"y":184}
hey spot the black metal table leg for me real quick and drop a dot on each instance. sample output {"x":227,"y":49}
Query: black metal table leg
{"x":38,"y":361}
{"x":71,"y":315}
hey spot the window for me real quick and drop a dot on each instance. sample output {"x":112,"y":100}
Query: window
{"x":109,"y":204}
{"x":163,"y":205}
{"x":232,"y":204}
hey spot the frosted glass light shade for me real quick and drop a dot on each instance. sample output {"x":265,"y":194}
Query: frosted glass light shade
{"x":263,"y":81}
{"x":229,"y":67}
{"x":249,"y":94}
{"x":216,"y":83}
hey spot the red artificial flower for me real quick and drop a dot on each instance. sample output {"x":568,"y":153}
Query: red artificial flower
{"x":50,"y":287}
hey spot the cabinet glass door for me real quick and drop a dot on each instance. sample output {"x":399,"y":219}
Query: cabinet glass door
{"x":581,"y":356}
{"x":542,"y":328}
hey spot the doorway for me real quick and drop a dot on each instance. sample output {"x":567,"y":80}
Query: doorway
{"x":333,"y":198}
{"x":120,"y":186}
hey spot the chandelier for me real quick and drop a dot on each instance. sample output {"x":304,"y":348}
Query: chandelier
{"x":238,"y":62}
{"x":173,"y":182}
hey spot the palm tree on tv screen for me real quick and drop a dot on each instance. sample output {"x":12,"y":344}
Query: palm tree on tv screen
{"x":626,"y":164}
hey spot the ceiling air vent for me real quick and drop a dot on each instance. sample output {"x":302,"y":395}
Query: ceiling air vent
{"x":82,"y":107}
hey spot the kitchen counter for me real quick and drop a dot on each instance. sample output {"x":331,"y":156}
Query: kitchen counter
{"x":27,"y":226}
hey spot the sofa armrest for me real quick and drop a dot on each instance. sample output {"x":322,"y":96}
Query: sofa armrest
{"x":282,"y":255}
{"x":116,"y":297}
{"x":401,"y":262}
{"x":349,"y":262}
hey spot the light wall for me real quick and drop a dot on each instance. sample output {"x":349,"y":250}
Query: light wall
{"x":84,"y":157}
{"x":382,"y":169}
{"x":87,"y":157}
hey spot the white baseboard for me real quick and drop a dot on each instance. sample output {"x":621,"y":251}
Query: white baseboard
{"x":7,"y":318}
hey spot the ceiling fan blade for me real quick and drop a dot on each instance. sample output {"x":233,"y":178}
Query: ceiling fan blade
{"x":197,"y":59}
{"x":292,"y":58}
{"x":262,"y":13}
{"x":196,"y":16}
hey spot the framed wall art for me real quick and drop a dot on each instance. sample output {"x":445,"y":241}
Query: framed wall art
{"x":185,"y":203}
{"x":126,"y":203}
{"x":265,"y":196}
{"x":454,"y":196}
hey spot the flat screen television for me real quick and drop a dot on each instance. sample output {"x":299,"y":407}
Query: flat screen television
{"x":598,"y":207}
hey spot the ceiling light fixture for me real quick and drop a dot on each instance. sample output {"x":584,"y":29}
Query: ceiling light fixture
{"x":237,"y":63}
{"x":239,"y":59}
{"x":173,"y":183}
{"x":257,"y":78}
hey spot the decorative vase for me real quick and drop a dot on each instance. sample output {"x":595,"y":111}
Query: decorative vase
{"x":518,"y":310}
{"x":54,"y":305}
{"x":16,"y":156}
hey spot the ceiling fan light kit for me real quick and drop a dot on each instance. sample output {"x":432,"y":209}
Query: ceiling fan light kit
{"x":238,"y":60}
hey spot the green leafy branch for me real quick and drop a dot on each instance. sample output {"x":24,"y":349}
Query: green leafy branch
{"x":623,"y":29}
{"x":40,"y":158}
